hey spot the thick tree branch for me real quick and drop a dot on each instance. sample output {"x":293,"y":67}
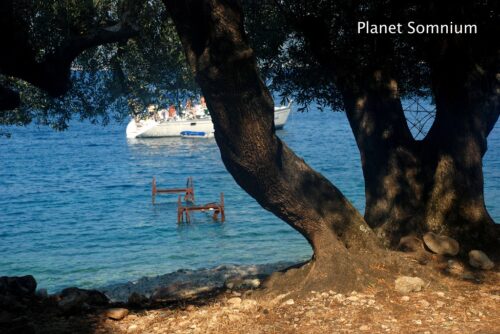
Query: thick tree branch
{"x":9,"y":99}
{"x":52,"y":74}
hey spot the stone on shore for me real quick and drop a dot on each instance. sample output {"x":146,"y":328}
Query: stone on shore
{"x":42,"y":293}
{"x":137,"y":300}
{"x":406,"y":284}
{"x":235,"y":301}
{"x":73,"y":300}
{"x":441,"y":244}
{"x":117,"y":313}
{"x":248,"y":304}
{"x":479,"y":259}
{"x":242,"y":283}
{"x":410,"y":243}
{"x":20,"y":286}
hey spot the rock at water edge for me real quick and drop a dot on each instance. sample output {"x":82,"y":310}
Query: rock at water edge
{"x":18,"y":285}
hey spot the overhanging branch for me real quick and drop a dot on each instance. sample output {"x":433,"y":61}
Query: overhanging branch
{"x":52,"y":74}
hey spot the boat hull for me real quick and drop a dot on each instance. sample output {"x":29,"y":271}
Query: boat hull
{"x":154,"y":129}
{"x":281,"y":116}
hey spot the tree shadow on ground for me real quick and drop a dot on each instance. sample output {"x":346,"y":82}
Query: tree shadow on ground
{"x":43,"y":316}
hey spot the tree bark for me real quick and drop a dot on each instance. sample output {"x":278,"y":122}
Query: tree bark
{"x":390,"y":157}
{"x":412,"y":187}
{"x":242,"y":111}
{"x":468,"y":106}
{"x":437,"y":184}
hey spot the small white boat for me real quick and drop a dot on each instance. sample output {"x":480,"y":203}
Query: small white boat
{"x":174,"y":127}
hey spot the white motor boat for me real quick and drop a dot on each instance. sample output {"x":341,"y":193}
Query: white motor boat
{"x":186,"y":127}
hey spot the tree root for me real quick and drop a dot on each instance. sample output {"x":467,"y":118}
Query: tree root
{"x":351,"y":271}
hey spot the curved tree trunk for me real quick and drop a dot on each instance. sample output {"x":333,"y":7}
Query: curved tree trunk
{"x":242,"y":112}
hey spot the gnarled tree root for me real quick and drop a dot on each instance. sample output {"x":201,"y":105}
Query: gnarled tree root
{"x":340,"y":273}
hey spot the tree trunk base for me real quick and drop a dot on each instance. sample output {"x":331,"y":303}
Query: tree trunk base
{"x":339,"y":272}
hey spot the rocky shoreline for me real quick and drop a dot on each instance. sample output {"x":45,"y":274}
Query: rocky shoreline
{"x":458,"y":297}
{"x":185,"y":283}
{"x":21,"y":301}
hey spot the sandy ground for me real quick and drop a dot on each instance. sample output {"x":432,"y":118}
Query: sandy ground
{"x":453,"y":306}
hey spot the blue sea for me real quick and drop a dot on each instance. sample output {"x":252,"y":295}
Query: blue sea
{"x":75,"y":206}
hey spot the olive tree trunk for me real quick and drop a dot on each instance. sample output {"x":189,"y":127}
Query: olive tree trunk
{"x":436,"y":184}
{"x":411,"y":186}
{"x":242,"y":111}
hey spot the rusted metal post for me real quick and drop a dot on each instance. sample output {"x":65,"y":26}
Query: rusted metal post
{"x":189,"y":197}
{"x":184,"y":211}
{"x":188,"y":191}
{"x":192,"y":189}
{"x":153,"y":190}
{"x":222,"y":213}
{"x":179,"y":210}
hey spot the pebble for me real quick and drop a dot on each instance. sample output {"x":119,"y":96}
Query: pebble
{"x":339,"y":297}
{"x":117,"y":313}
{"x":441,"y":244}
{"x":132,"y":328}
{"x":455,"y":267}
{"x":233,"y":317}
{"x":235,"y":301}
{"x":405,"y":298}
{"x":309,"y":314}
{"x":480,"y":260}
{"x":289,"y":302}
{"x":248,"y":304}
{"x":424,"y":303}
{"x":364,"y":328}
{"x":406,"y":284}
{"x":410,"y":243}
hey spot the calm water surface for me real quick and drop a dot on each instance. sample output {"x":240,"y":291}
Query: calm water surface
{"x":76,"y":206}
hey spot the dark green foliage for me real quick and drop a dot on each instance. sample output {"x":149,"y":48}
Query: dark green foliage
{"x":108,"y":81}
{"x":303,"y":49}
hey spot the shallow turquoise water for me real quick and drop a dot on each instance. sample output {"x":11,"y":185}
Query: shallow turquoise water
{"x":76,"y":206}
